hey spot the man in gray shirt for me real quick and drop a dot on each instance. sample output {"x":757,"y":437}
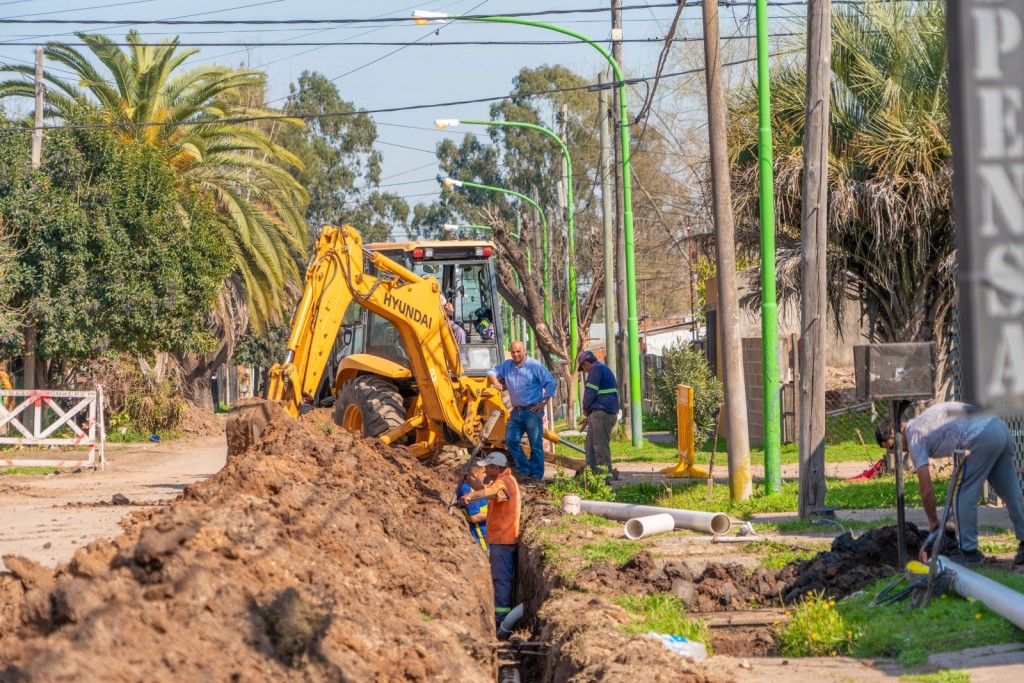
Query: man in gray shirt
{"x":936,"y":433}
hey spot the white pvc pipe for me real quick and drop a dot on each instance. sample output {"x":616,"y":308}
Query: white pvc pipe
{"x":510,"y":621}
{"x":716,"y":523}
{"x":1006,"y":602}
{"x":638,"y":527}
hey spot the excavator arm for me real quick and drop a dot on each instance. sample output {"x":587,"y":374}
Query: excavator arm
{"x":413,"y":304}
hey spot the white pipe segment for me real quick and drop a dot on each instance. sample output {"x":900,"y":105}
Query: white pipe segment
{"x":716,"y":523}
{"x":638,"y":527}
{"x":1006,"y":602}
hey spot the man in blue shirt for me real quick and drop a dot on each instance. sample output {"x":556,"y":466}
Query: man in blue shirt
{"x":601,"y":410}
{"x":476,"y":511}
{"x":529,"y":386}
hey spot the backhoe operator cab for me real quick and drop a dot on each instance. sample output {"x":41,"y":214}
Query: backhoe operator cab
{"x":465,"y":271}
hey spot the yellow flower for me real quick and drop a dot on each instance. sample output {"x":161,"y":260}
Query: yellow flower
{"x":825,"y":606}
{"x":977,"y":615}
{"x":943,"y":596}
{"x":849,"y":633}
{"x":831,"y":603}
{"x":788,"y":614}
{"x":775,"y":623}
{"x":970,"y":599}
{"x":814,"y":636}
{"x":833,"y":653}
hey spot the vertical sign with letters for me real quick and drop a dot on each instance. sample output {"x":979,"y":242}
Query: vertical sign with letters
{"x":986,"y":71}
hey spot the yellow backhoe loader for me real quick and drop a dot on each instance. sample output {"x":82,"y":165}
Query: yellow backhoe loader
{"x":391,"y":365}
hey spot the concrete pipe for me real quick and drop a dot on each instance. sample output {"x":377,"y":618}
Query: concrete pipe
{"x":1006,"y":602}
{"x":716,"y":523}
{"x":639,"y":527}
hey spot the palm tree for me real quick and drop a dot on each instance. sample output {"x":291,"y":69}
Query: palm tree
{"x":235,"y":160}
{"x":890,"y":195}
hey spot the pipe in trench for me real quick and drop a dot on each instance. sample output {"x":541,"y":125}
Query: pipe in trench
{"x":1006,"y":602}
{"x":509,"y":622}
{"x":716,"y":523}
{"x":639,"y":527}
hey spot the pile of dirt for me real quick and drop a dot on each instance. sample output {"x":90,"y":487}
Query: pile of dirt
{"x":312,"y":556}
{"x":198,"y":421}
{"x":850,"y":565}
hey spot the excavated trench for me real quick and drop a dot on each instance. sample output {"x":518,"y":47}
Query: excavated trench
{"x":314,"y":555}
{"x":574,"y":615}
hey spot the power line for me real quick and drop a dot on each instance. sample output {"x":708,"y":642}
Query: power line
{"x":382,"y":110}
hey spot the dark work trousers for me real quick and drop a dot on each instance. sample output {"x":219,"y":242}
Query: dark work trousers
{"x":599,"y":437}
{"x":503,"y":564}
{"x":992,"y":458}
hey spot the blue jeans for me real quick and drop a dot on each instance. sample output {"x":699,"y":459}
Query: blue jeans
{"x":992,"y":459}
{"x":503,"y":565}
{"x":530,"y":423}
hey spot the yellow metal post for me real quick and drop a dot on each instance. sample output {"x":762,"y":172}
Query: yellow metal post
{"x":686,"y":430}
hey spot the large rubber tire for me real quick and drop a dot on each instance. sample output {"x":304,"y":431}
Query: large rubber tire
{"x":369,"y":405}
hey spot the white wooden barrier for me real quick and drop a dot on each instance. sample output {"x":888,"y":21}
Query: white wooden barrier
{"x":30,"y":408}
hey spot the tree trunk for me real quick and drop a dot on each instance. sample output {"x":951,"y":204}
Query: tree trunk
{"x":197,"y":370}
{"x":814,"y":300}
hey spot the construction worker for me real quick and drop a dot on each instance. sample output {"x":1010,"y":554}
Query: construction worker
{"x":502,"y":492}
{"x":476,"y":512}
{"x":936,"y":433}
{"x":457,"y":330}
{"x":600,"y":410}
{"x":529,"y":386}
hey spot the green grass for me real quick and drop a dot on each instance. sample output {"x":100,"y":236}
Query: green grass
{"x":875,"y":493}
{"x":944,"y":624}
{"x":816,"y":629}
{"x":776,"y":555}
{"x":663,"y":614}
{"x":30,"y":471}
{"x":616,"y":550}
{"x":941,"y":676}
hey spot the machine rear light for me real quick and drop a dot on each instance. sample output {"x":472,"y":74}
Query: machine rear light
{"x":428,"y":253}
{"x":487,"y":251}
{"x":479,"y":251}
{"x":417,"y":253}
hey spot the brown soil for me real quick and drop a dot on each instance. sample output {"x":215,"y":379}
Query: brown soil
{"x":312,"y":556}
{"x":197,"y":421}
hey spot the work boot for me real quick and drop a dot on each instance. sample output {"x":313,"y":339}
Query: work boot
{"x":1019,"y":557}
{"x":966,"y":558}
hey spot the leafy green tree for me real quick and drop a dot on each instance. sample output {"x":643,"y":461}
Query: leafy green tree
{"x":107,"y":259}
{"x":236,"y":162}
{"x":683,"y":364}
{"x":340,"y":166}
{"x":890,"y":243}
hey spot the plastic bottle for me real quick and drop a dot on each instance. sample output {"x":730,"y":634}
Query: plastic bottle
{"x":680,"y":645}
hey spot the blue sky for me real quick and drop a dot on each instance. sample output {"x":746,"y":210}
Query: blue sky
{"x":375,"y":77}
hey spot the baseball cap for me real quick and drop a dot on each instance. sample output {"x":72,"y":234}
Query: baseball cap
{"x":586,"y":357}
{"x":495,"y":458}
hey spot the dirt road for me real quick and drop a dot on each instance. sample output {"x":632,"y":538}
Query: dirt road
{"x":47,"y":517}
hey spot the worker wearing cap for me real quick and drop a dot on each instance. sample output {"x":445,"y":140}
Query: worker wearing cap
{"x":476,"y":512}
{"x":529,"y":386}
{"x":600,"y":410}
{"x":503,"y":509}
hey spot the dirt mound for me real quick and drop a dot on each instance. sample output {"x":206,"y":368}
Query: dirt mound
{"x":850,"y":565}
{"x":312,"y":556}
{"x":198,"y":421}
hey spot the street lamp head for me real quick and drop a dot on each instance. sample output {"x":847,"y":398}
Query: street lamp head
{"x":441,"y":124}
{"x":424,"y":17}
{"x":450,"y":182}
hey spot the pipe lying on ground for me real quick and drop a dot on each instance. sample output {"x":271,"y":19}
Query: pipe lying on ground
{"x":639,"y":527}
{"x":716,"y":523}
{"x":509,"y":622}
{"x":1006,"y":602}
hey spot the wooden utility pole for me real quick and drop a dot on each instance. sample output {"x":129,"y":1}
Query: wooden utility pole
{"x":814,"y":226}
{"x":28,"y":380}
{"x":620,"y":232}
{"x":740,"y":486}
{"x":607,"y":223}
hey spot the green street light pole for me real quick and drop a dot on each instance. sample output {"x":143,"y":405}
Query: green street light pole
{"x":441,"y":124}
{"x":423,"y":17}
{"x":449,"y":182}
{"x":769,"y":314}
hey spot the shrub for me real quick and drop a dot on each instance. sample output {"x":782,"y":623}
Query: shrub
{"x":145,"y":401}
{"x":588,"y":485}
{"x":685,"y":365}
